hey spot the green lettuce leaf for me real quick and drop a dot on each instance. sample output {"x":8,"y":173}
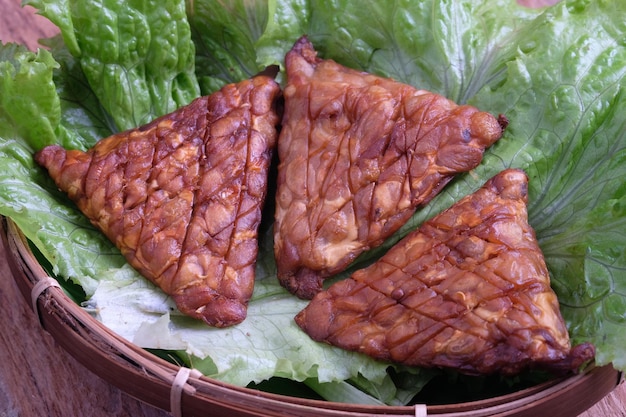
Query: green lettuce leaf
{"x":237,"y":39}
{"x":83,"y":119}
{"x":225,"y":34}
{"x":136,"y":55}
{"x":31,"y":113}
{"x":451,"y":48}
{"x":25,"y":75}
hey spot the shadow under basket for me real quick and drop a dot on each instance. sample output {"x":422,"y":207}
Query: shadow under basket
{"x":165,"y":385}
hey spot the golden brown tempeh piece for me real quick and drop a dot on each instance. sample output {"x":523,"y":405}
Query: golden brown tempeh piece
{"x":358,"y":153}
{"x":181,"y":197}
{"x":468,"y":290}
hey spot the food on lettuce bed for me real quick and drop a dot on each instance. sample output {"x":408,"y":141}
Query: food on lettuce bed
{"x":557,"y":74}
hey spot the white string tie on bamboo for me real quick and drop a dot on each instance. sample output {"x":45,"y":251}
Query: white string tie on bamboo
{"x":420,"y":410}
{"x":37,"y":290}
{"x":178,"y":386}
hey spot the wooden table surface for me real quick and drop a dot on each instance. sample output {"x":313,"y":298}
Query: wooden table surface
{"x":38,"y":377}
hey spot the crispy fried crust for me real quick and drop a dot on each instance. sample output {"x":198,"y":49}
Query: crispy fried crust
{"x":181,"y":197}
{"x":468,"y":290}
{"x":358,"y":153}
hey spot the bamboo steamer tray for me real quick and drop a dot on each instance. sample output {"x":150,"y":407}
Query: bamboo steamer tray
{"x":183,"y":392}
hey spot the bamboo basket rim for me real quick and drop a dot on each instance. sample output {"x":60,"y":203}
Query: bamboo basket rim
{"x":165,"y":385}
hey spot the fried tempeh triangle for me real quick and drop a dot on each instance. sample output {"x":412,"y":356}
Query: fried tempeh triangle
{"x":468,"y":290}
{"x":358,"y":153}
{"x":181,"y":197}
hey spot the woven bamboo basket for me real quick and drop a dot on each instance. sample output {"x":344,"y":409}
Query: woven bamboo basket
{"x":184,"y":393}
